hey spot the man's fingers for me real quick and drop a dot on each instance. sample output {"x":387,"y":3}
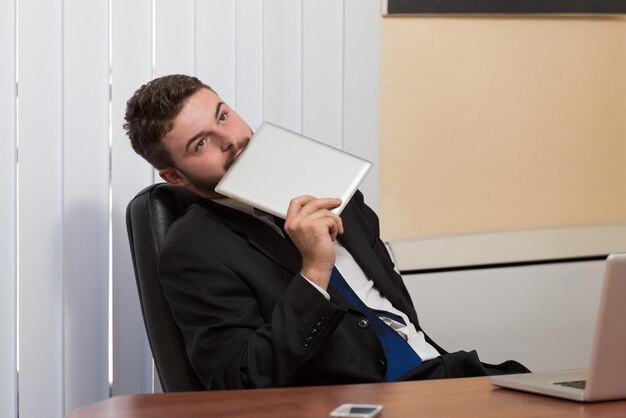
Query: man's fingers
{"x":335,"y":228}
{"x":305,"y":205}
{"x":306,"y":210}
{"x":321,"y":217}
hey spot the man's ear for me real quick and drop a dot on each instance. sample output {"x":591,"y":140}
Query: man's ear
{"x":173,"y":176}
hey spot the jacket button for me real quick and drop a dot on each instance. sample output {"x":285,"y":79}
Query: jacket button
{"x":306,"y":344}
{"x":363,"y":323}
{"x":382,"y":364}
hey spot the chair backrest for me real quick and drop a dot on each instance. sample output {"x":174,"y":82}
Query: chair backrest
{"x":148,"y":217}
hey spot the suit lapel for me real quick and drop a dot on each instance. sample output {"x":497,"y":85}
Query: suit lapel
{"x":259,"y":235}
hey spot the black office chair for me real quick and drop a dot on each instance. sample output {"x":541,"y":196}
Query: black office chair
{"x":148,"y":216}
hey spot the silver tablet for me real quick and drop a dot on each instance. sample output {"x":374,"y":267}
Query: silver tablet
{"x":279,"y":165}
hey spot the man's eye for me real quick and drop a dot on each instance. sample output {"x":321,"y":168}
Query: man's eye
{"x":223,"y":118}
{"x":200,"y":144}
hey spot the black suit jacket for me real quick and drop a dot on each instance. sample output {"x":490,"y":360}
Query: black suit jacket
{"x":250,"y":320}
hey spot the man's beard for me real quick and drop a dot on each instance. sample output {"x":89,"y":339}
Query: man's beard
{"x":202,"y":184}
{"x":207,"y":184}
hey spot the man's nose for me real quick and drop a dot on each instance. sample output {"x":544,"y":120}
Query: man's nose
{"x":226,"y":141}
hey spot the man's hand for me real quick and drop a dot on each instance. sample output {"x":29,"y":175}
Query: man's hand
{"x":313,"y":228}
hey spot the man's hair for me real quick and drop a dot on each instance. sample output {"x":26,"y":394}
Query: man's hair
{"x":151,"y":111}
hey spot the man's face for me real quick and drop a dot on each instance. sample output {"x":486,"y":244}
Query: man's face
{"x":206,"y":137}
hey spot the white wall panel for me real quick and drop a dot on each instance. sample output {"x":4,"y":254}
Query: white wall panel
{"x":249,"y":68}
{"x":361,"y":88}
{"x":543,"y":315}
{"x":8,"y":220}
{"x":216,"y":47}
{"x":40,"y":209}
{"x":174,"y":37}
{"x":86,"y":203}
{"x":322,"y":82}
{"x":131,"y":67}
{"x":282,"y":60}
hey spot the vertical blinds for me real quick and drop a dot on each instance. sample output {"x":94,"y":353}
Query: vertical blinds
{"x":70,"y":320}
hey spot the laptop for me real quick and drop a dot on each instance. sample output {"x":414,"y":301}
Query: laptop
{"x":279,"y":165}
{"x":605,"y":379}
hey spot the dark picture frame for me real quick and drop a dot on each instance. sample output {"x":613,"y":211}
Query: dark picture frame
{"x":503,"y":7}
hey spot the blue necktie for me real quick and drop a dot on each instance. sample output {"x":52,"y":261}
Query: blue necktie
{"x":401,"y":358}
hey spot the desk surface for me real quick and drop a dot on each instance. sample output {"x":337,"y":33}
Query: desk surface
{"x":472,"y":397}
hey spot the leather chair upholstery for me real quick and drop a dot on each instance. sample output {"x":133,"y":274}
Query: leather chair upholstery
{"x":148,"y":217}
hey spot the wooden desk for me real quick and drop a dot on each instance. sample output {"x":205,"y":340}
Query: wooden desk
{"x":472,"y":397}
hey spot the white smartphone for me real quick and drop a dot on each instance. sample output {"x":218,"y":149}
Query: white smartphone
{"x":355,"y":410}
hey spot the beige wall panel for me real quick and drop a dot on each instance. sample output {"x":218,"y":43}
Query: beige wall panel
{"x":501,"y":123}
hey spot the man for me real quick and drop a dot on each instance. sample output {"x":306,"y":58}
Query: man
{"x":263,"y":306}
